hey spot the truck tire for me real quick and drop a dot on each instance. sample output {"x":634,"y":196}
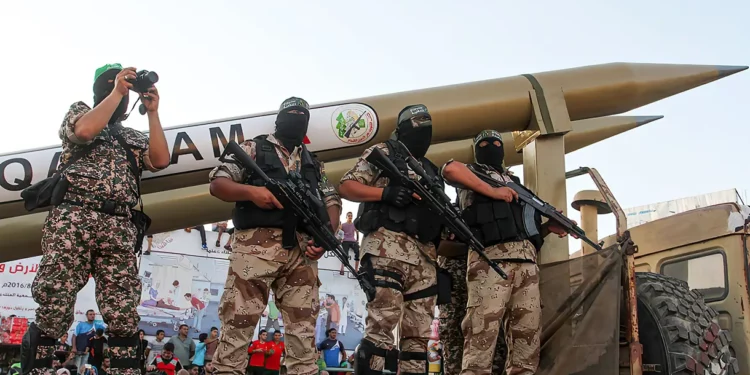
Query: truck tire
{"x":680,"y":334}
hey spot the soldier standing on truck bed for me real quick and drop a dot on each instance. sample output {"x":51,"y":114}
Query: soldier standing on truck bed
{"x":398,"y":250}
{"x":89,"y":231}
{"x":451,"y":316}
{"x":494,"y":215}
{"x":260,"y":259}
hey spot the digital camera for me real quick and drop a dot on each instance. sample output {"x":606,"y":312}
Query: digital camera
{"x":143,"y":81}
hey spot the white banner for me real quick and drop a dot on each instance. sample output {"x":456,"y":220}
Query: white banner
{"x":198,"y":146}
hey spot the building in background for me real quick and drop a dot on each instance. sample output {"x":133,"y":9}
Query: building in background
{"x":644,"y":214}
{"x":650,"y":212}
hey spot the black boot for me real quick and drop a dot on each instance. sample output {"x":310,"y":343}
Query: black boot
{"x":37,"y":352}
{"x":123,"y":354}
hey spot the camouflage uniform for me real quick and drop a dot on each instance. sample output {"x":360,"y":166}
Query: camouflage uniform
{"x":415,"y":262}
{"x":451,"y":316}
{"x":78,"y":241}
{"x":259,"y":262}
{"x":493,"y":305}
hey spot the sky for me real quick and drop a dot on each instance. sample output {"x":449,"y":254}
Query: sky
{"x":227,"y":58}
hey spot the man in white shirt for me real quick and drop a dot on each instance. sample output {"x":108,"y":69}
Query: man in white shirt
{"x":344,"y":316}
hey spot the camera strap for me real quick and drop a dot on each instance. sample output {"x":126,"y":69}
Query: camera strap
{"x":128,"y":115}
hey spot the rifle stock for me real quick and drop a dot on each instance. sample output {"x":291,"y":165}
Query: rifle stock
{"x":295,"y":196}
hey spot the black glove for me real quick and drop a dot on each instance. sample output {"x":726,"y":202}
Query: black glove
{"x":398,"y":196}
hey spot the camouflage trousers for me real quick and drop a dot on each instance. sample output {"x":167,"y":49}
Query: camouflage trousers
{"x":451,"y":316}
{"x":494,"y":305}
{"x":389,"y":310}
{"x":77,"y":243}
{"x":295,"y":286}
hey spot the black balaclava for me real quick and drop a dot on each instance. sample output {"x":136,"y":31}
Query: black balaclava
{"x":414,"y":129}
{"x":102,"y":89}
{"x":291,"y":128}
{"x":489,"y":154}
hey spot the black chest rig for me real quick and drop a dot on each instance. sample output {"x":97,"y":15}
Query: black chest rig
{"x":496,"y":221}
{"x":414,"y":220}
{"x":247,"y":215}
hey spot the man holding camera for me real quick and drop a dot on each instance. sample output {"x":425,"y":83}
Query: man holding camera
{"x":90,"y":230}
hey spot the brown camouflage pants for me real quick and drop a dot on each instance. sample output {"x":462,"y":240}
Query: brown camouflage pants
{"x":295,"y":287}
{"x":495,"y":304}
{"x":451,"y":316}
{"x":76,"y":243}
{"x":389,"y":310}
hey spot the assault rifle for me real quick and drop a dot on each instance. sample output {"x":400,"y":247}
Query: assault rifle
{"x":435,"y":199}
{"x":532,"y":204}
{"x":295,"y":196}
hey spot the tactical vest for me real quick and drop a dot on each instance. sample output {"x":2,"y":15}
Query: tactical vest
{"x":414,"y":220}
{"x":247,"y":215}
{"x":496,"y":221}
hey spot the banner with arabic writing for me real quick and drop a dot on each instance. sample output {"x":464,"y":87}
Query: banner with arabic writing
{"x":15,"y":289}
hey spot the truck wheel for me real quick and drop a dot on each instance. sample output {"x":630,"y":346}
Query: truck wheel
{"x":679,"y":332}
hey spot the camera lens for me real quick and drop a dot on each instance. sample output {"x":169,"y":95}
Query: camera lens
{"x":151,"y":77}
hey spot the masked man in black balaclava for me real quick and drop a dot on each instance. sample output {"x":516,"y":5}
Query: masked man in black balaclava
{"x":268,"y":249}
{"x":398,"y":250}
{"x":90,"y":230}
{"x":495,"y":217}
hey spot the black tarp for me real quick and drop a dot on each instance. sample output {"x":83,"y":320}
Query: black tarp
{"x":586,"y":342}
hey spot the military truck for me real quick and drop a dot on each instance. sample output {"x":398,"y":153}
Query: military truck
{"x":679,"y":330}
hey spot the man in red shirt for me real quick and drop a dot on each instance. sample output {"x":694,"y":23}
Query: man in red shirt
{"x":166,"y":362}
{"x":258,"y":351}
{"x":199,"y":306}
{"x":275,"y":349}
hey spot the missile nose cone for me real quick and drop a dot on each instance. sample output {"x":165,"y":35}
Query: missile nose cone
{"x":643,"y":120}
{"x":728,"y":70}
{"x":608,"y":89}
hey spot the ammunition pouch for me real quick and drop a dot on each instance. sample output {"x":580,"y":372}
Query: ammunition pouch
{"x":413,"y":220}
{"x":494,"y":221}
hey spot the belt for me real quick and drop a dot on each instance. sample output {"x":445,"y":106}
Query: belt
{"x":105,"y":206}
